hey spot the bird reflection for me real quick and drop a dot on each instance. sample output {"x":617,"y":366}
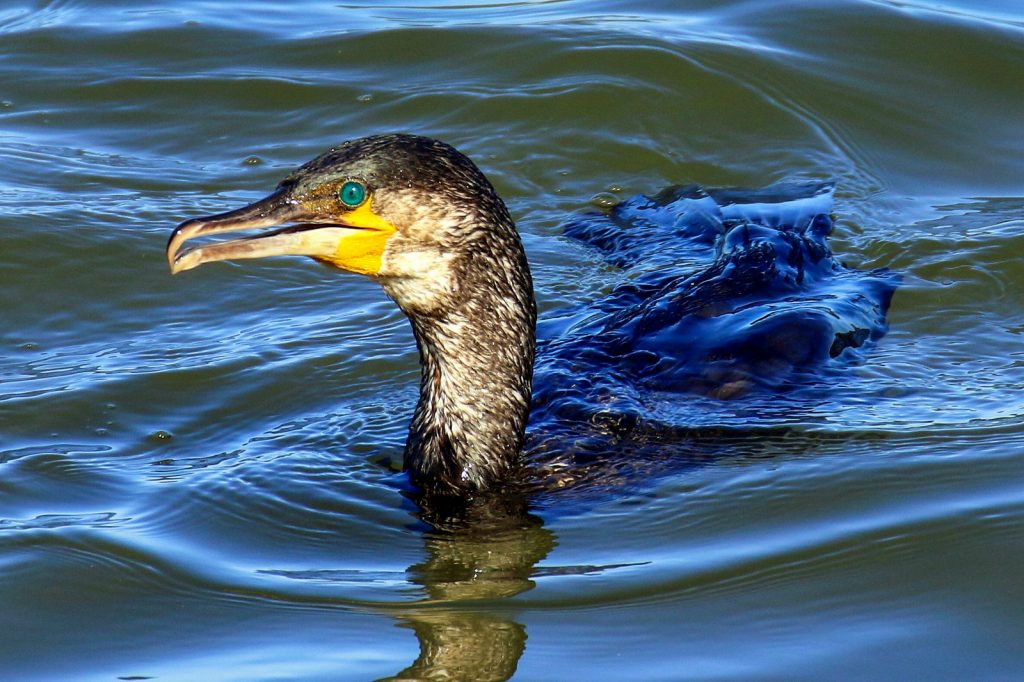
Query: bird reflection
{"x":477,"y":552}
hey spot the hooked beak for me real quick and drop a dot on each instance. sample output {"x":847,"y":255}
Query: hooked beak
{"x":316,"y":240}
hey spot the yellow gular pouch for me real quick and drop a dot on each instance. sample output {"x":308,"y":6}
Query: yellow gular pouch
{"x":361,"y":250}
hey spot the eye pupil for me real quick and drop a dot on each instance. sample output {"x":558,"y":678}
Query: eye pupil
{"x":352,"y":193}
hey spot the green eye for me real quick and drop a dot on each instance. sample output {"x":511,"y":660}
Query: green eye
{"x":352,"y":193}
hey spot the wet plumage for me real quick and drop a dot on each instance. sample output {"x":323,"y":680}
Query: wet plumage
{"x":767,"y":302}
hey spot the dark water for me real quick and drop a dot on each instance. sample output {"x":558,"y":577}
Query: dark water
{"x":193,"y":470}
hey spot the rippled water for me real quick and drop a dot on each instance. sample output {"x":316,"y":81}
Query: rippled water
{"x":196,"y":474}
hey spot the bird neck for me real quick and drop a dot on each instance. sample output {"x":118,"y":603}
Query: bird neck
{"x":477,"y":369}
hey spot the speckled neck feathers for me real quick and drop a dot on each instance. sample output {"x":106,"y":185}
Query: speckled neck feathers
{"x":477,"y":356}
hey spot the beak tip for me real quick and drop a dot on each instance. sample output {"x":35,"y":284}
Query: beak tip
{"x":269,"y":211}
{"x":185,"y":261}
{"x":182,"y":233}
{"x":172,"y":259}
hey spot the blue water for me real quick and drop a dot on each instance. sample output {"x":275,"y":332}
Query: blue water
{"x":198,"y":474}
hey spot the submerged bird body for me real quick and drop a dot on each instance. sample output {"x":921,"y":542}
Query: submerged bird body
{"x":731,"y":298}
{"x":419,"y":217}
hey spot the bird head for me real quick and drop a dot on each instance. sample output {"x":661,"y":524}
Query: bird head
{"x":400,"y":208}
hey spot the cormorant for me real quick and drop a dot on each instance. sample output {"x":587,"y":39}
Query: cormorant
{"x":420,"y":218}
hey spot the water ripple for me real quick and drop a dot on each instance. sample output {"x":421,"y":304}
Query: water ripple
{"x":197,"y":475}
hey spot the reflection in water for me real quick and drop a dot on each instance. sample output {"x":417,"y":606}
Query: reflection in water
{"x":478,"y":551}
{"x":486,"y":549}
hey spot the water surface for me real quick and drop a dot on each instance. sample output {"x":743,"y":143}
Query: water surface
{"x":196,"y":473}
